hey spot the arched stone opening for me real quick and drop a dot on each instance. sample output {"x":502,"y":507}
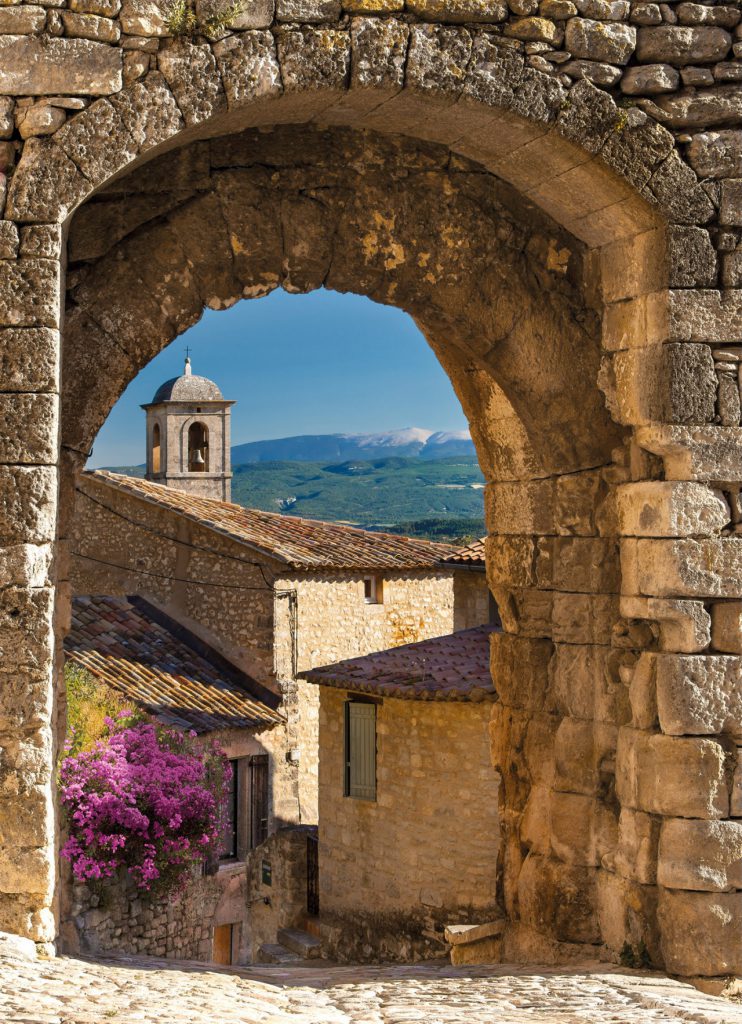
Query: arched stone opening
{"x":612,"y":181}
{"x":509,"y":302}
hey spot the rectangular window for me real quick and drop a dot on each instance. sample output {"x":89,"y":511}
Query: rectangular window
{"x":259,"y":799}
{"x":373,"y":589}
{"x":231,"y":825}
{"x":360,"y":750}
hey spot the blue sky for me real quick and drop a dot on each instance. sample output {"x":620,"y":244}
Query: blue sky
{"x":321,"y":363}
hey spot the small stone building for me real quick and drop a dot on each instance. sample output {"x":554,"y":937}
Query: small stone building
{"x":404,"y":850}
{"x":273,"y":596}
{"x":161,"y":667}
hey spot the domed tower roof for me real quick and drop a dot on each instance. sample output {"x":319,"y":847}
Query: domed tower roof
{"x":188,"y":388}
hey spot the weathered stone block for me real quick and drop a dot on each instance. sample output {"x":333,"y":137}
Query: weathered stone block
{"x":675,"y":44}
{"x":671,"y":383}
{"x":730,"y":210}
{"x":584,"y":756}
{"x":27,"y":504}
{"x":700,"y":855}
{"x":583,"y":618}
{"x":695,"y":453}
{"x":192,"y":74}
{"x":684,"y":626}
{"x":249,"y":66}
{"x":28,"y":424}
{"x":699,"y":695}
{"x":46,"y":186}
{"x":596,"y":40}
{"x":692,"y":258}
{"x":520,"y":666}
{"x":581,"y":564}
{"x":148,"y":112}
{"x":726,"y":627}
{"x":690,"y":568}
{"x":310,"y":58}
{"x":459,"y":10}
{"x":716,"y":154}
{"x":22,"y":20}
{"x":379,"y":52}
{"x":583,"y":829}
{"x":670,"y":509}
{"x":90,"y":26}
{"x":636,"y":849}
{"x":704,"y":108}
{"x":701,"y":933}
{"x":535,"y":30}
{"x":558,"y":899}
{"x":709,"y":315}
{"x":587,"y":684}
{"x":97,"y":141}
{"x":72,"y":67}
{"x":29,"y":293}
{"x":438,"y":59}
{"x":649,"y":80}
{"x":308,"y":10}
{"x":671,"y":776}
{"x":145,"y":18}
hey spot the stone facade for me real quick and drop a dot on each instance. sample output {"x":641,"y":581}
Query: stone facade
{"x":553,"y":191}
{"x":395,"y":871}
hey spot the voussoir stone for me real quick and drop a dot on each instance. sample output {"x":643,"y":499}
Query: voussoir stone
{"x":598,"y":40}
{"x":681,"y":45}
{"x":249,"y":67}
{"x":193,"y":76}
{"x":31,"y":66}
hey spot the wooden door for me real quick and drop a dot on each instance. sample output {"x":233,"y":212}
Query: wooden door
{"x":222,"y":952}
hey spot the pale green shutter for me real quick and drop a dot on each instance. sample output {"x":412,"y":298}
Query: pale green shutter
{"x":360,"y":750}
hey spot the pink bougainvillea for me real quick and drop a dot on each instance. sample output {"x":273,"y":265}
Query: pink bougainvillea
{"x":145,"y":798}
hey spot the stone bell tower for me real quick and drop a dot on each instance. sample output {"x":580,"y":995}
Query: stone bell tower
{"x":188,"y":436}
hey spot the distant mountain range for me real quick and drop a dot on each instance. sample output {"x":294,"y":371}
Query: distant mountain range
{"x":409,"y":442}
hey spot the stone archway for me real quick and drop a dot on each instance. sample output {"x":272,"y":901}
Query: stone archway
{"x":617,"y":776}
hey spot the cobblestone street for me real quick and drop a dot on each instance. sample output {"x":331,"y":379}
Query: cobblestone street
{"x":73,"y":991}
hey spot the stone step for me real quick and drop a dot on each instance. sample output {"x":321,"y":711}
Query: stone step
{"x":274,"y":953}
{"x":476,"y":943}
{"x":302,"y":943}
{"x":310,"y":924}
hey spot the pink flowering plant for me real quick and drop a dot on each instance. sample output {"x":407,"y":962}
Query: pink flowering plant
{"x":146,"y":798}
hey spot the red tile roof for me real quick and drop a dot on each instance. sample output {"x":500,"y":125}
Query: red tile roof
{"x":471,"y":555}
{"x":451,"y":667}
{"x":131,"y":646}
{"x":299,"y":543}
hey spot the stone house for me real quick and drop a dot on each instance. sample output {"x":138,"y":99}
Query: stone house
{"x":273,"y":596}
{"x":166,"y":671}
{"x":403,"y":736}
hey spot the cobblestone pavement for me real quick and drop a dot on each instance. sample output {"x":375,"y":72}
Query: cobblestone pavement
{"x":124,"y":990}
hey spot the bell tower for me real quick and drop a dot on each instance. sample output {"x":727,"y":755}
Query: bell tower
{"x":188,"y":436}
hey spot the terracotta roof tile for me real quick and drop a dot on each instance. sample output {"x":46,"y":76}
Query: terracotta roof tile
{"x":472,"y":554}
{"x":451,"y":667}
{"x":300,"y":543}
{"x":127,"y":644}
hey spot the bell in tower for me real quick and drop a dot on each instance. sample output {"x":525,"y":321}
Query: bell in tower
{"x":188,"y":436}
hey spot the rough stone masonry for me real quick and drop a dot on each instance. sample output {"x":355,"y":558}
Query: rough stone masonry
{"x":554,"y":191}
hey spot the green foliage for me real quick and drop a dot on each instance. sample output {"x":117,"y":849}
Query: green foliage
{"x":89,"y":704}
{"x":183,"y":19}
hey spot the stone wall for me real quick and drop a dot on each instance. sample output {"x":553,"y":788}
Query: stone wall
{"x":594,"y":356}
{"x":116,"y":916}
{"x":231,"y":603}
{"x":471,"y":599}
{"x":394,"y":872}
